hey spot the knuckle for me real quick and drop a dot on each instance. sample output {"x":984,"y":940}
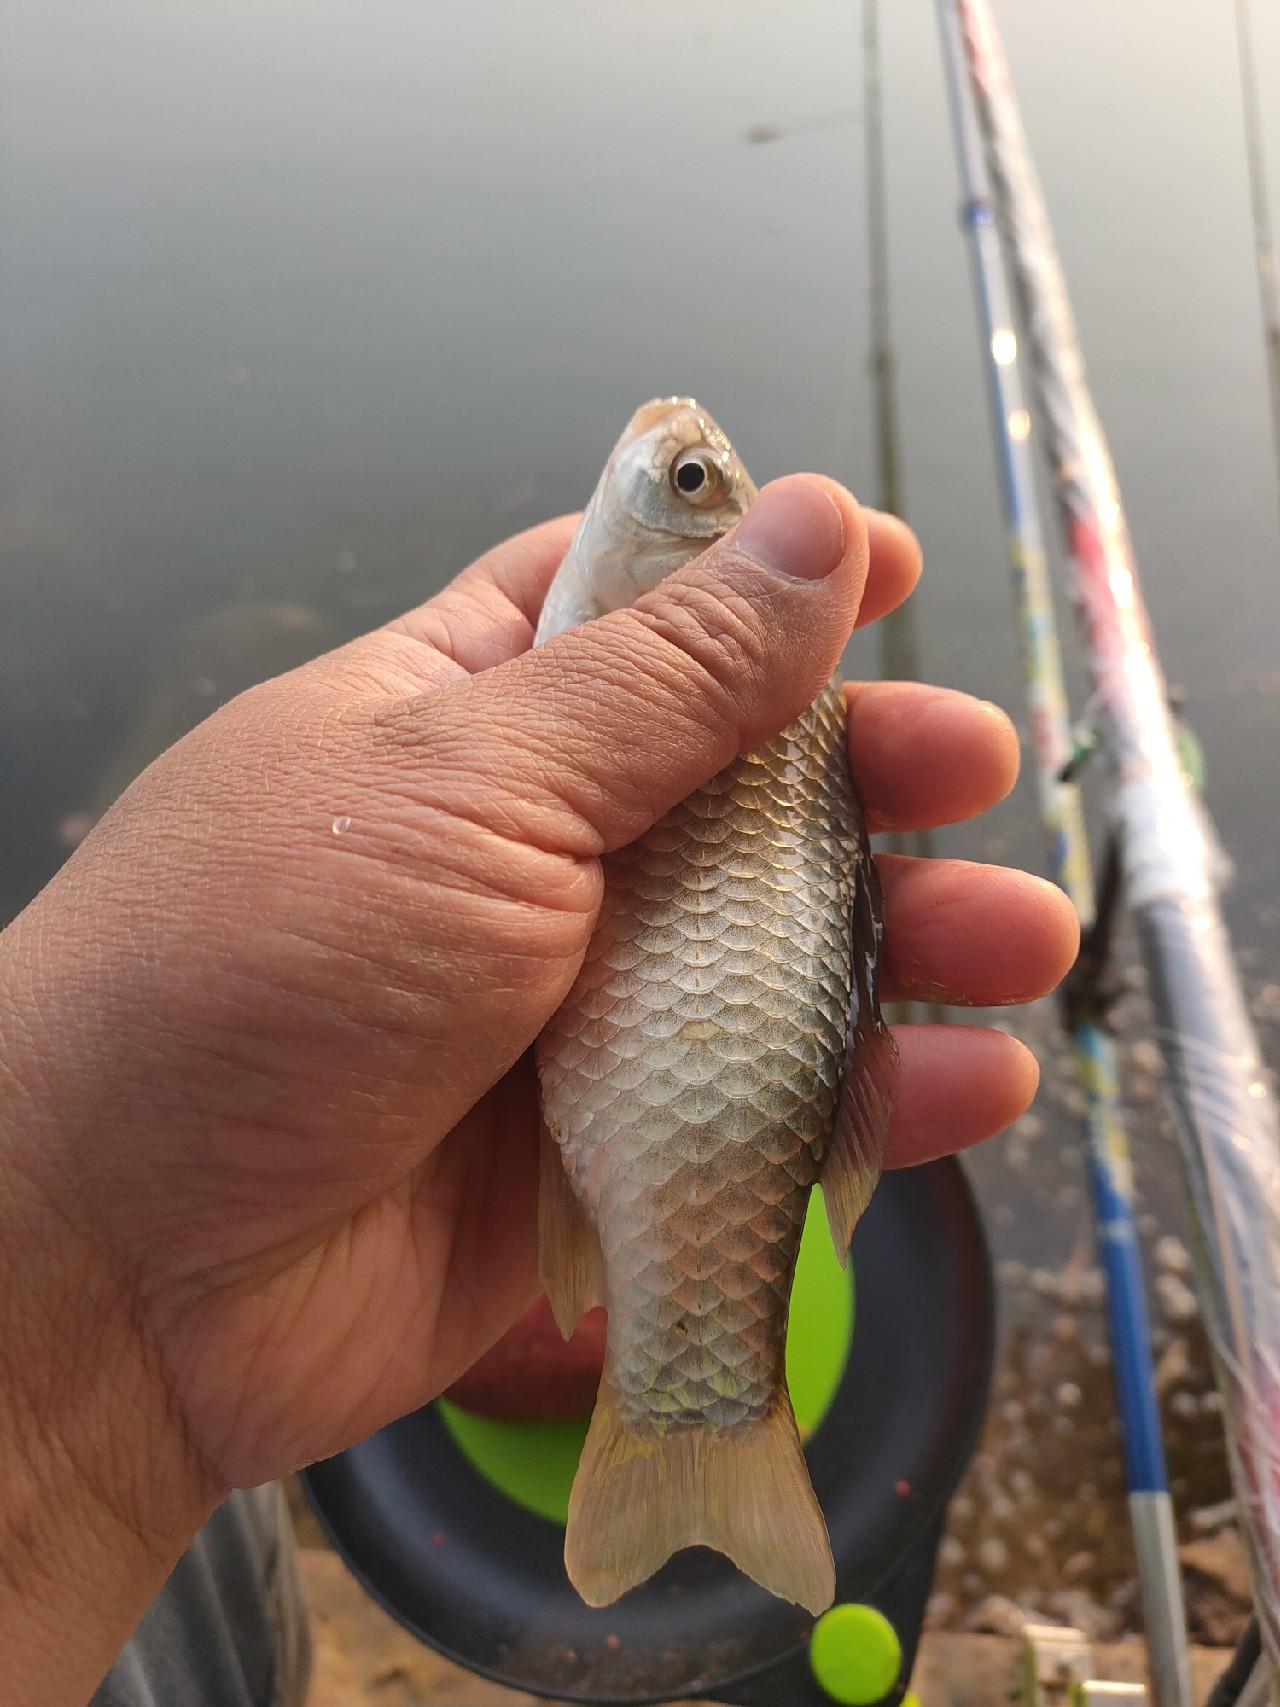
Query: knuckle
{"x":715,"y":641}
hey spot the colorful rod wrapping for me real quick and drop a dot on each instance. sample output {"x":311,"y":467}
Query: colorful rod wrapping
{"x":1226,"y":1119}
{"x":1110,"y":1172}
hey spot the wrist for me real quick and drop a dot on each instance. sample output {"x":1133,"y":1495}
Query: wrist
{"x":100,"y":1489}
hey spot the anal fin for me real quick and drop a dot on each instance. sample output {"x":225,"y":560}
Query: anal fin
{"x":855,"y":1154}
{"x":640,"y":1496}
{"x":569,"y":1262}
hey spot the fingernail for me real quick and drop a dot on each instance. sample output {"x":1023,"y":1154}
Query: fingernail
{"x":795,"y":528}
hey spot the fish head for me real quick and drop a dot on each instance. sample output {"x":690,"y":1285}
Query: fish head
{"x":673,"y":484}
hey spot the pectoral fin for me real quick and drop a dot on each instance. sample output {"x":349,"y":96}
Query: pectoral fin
{"x":855,"y":1156}
{"x":569,"y":1262}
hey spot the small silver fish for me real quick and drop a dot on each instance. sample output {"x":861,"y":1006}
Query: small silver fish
{"x":721,"y":1051}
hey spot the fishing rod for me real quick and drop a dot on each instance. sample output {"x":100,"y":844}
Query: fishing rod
{"x":1264,"y":248}
{"x":1225,"y":1116}
{"x":899,"y":644}
{"x":899,"y":637}
{"x":1109,"y":1169}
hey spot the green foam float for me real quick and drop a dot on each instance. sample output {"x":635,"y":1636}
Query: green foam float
{"x":533,"y":1463}
{"x":855,"y":1655}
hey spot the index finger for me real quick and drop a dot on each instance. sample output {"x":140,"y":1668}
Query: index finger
{"x":488,"y":613}
{"x":923,"y":756}
{"x":896,"y":562}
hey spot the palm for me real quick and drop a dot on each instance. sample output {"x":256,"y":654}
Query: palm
{"x":388,"y":1309}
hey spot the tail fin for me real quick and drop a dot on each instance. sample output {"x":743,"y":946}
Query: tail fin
{"x":745,"y":1490}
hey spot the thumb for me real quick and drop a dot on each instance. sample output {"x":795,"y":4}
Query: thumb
{"x":582,"y":744}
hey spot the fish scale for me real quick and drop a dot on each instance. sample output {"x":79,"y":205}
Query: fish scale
{"x":738,"y":1090}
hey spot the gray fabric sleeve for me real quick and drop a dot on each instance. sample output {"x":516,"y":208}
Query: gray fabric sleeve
{"x":229,"y":1628}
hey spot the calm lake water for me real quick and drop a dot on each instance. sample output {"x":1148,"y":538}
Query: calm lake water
{"x":303,"y":306}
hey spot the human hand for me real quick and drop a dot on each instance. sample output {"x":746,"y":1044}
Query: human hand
{"x":271,"y":1131}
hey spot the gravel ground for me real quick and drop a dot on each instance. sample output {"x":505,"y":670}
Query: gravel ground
{"x":363,"y":1659}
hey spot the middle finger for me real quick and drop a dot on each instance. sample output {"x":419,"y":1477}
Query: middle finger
{"x":972,"y":935}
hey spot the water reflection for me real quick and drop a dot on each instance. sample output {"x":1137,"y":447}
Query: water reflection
{"x":210,"y":661}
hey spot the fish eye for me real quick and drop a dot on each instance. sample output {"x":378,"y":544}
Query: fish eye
{"x":697,"y":477}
